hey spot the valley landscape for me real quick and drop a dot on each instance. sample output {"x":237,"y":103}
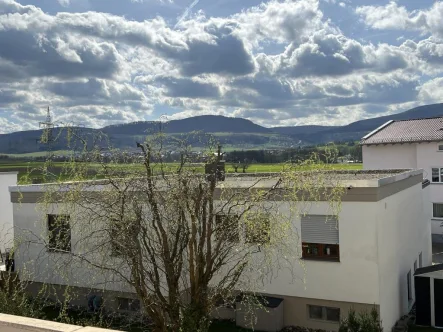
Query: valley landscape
{"x":232,"y":133}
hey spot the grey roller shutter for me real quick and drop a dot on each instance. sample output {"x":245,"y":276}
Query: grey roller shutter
{"x":319,"y":229}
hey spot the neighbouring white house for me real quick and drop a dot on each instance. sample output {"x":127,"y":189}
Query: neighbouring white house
{"x":6,"y":216}
{"x":365,"y":257}
{"x":414,"y":143}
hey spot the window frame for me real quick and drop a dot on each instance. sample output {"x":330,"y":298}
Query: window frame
{"x":235,"y":236}
{"x":253,"y":238}
{"x":434,"y":217}
{"x":54,"y":244}
{"x":324,"y":313}
{"x":440,"y":174}
{"x":409,"y":285}
{"x":130,"y":302}
{"x":321,"y":248}
{"x":438,"y":147}
{"x":116,"y":251}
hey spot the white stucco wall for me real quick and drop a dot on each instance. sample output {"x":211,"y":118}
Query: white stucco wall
{"x":416,"y":155}
{"x":390,"y":156}
{"x":323,"y":280}
{"x":403,"y":232}
{"x":379,"y":242}
{"x":428,"y":157}
{"x":6,"y":216}
{"x":34,"y":262}
{"x":339,"y":281}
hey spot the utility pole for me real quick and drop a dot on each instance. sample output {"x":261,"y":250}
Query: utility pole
{"x":47,"y":138}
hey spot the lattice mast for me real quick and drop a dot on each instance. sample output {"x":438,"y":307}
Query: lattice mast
{"x":47,"y":137}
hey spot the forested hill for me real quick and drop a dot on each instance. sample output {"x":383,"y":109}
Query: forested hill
{"x":233,"y":133}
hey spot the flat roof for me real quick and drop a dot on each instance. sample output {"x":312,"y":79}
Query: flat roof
{"x":354,"y":178}
{"x":360,"y":185}
{"x":12,"y":323}
{"x":345,"y":178}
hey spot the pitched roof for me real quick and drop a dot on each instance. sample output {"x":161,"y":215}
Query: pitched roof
{"x":406,"y":131}
{"x":428,"y":269}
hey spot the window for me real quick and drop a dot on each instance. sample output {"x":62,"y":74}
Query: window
{"x":59,"y":232}
{"x":122,"y":236}
{"x":258,"y":229}
{"x":321,"y":251}
{"x":226,"y":227}
{"x":415,"y":266}
{"x":115,"y":234}
{"x":126,"y":304}
{"x":319,"y":236}
{"x":324,"y":313}
{"x":437,"y":175}
{"x":437,"y":210}
{"x":420,"y":260}
{"x":409,"y":286}
{"x":440,"y":147}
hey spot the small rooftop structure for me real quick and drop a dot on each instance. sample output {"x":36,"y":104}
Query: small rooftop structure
{"x":406,"y":131}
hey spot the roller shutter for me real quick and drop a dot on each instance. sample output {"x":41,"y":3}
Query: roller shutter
{"x":319,"y":229}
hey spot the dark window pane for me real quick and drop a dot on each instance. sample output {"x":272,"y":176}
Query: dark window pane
{"x":258,"y":230}
{"x":437,"y":210}
{"x":315,"y":312}
{"x":333,"y":314}
{"x":226,"y":227}
{"x":330,"y":250}
{"x":134,"y":305}
{"x":311,"y":249}
{"x":128,"y":304}
{"x":441,"y":174}
{"x":116,"y":241}
{"x":435,"y":175}
{"x":59,"y":232}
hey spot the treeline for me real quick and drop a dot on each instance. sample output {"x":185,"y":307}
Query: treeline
{"x":332,"y":153}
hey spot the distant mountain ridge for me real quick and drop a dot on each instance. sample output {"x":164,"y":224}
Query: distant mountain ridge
{"x":233,"y":133}
{"x":206,"y":123}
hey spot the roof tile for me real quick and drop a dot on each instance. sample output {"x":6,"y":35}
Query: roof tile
{"x":404,"y":131}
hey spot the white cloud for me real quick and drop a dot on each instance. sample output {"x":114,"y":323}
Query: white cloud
{"x":64,"y":3}
{"x":432,"y":91}
{"x":393,"y":16}
{"x":97,"y":68}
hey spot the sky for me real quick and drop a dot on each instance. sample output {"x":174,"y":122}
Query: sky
{"x":277,"y":62}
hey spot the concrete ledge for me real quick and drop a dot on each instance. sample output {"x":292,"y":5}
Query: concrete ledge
{"x":19,"y":323}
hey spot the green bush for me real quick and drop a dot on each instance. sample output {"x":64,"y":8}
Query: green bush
{"x":361,"y":322}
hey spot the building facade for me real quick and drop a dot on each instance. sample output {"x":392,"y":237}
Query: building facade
{"x":416,"y":144}
{"x":6,"y":216}
{"x":364,"y":257}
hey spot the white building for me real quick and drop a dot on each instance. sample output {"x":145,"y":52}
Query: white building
{"x":6,"y":219}
{"x":411,"y":144}
{"x":367,"y":257}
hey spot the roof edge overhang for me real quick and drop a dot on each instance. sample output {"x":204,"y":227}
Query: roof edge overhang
{"x":402,"y":142}
{"x":376,"y":130}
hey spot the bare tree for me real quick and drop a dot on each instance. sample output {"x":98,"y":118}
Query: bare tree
{"x":235,"y":166}
{"x":245,"y":165}
{"x":181,"y":240}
